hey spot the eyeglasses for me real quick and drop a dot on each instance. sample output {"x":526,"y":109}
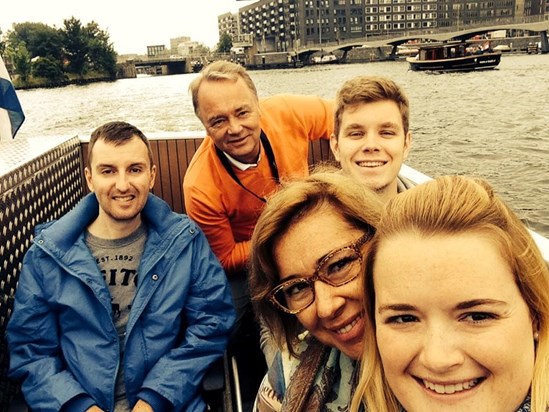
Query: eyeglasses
{"x":337,"y":268}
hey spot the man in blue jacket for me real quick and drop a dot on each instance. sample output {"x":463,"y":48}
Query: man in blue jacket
{"x":121,"y":304}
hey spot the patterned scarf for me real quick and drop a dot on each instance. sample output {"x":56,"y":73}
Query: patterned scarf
{"x":324,"y":381}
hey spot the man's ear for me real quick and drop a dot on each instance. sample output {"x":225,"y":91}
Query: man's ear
{"x":407,"y":145}
{"x":88,"y":175}
{"x":334,"y":146}
{"x":153,"y":177}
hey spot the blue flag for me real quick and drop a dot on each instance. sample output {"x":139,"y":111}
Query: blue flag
{"x":11,"y":113}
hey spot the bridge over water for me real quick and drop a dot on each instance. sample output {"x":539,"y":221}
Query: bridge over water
{"x":164,"y":65}
{"x":452,"y":33}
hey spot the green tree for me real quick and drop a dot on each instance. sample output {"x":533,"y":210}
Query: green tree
{"x":101,"y":54}
{"x":76,"y":46}
{"x":225,"y":43}
{"x":40,"y":39}
{"x":54,"y":53}
{"x":50,"y":69}
{"x":88,"y":48}
{"x":21,"y":59}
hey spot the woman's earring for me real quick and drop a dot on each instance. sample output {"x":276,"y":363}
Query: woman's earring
{"x":536,"y":336}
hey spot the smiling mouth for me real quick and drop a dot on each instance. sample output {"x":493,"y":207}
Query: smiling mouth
{"x":239,"y":140}
{"x":124,"y":198}
{"x":371,"y":163}
{"x":448,"y":389}
{"x":349,"y":326}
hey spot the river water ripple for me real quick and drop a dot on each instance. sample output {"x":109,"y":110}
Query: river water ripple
{"x":491,"y":124}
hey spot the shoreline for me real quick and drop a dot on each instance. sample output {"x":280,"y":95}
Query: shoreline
{"x":51,"y":85}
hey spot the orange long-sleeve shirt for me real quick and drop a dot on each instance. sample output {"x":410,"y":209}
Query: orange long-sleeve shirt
{"x":222,"y":208}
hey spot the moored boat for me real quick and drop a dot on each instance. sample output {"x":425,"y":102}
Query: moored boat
{"x":325,"y":59}
{"x":196,"y":66}
{"x":454,"y":56}
{"x":407,"y":50}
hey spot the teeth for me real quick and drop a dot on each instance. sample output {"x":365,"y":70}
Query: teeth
{"x":347,"y":328}
{"x":371,"y":164}
{"x":453,"y":388}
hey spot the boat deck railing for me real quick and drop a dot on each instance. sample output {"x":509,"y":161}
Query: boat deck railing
{"x":43,"y":178}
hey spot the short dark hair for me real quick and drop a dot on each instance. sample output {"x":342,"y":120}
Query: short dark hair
{"x":117,"y":133}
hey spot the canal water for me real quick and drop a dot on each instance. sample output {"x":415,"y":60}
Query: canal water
{"x":492,"y":124}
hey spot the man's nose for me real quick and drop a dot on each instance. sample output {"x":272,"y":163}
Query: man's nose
{"x":235,"y":126}
{"x":370,"y":142}
{"x":122,"y":182}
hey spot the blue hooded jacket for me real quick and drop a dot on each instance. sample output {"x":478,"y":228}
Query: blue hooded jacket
{"x":63,"y":342}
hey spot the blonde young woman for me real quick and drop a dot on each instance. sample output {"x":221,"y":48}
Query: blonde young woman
{"x":307,"y":257}
{"x":457,"y":300}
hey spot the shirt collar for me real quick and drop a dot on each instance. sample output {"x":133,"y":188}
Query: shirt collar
{"x":240,"y":165}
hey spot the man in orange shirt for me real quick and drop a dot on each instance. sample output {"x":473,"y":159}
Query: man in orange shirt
{"x":251,"y":145}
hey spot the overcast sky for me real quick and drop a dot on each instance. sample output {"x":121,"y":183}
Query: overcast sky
{"x":132,"y":25}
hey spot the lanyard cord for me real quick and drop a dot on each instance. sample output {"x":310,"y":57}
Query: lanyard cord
{"x":270,"y":157}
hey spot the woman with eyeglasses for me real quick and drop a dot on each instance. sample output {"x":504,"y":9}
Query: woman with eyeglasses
{"x":458,"y":295}
{"x":307,"y":255}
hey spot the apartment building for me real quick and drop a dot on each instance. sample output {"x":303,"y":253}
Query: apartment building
{"x":285,"y":25}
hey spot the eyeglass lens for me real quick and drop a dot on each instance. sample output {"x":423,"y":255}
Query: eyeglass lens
{"x":335,"y":270}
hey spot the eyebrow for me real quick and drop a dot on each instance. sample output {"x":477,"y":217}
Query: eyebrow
{"x":101,"y":165}
{"x":353,"y":126}
{"x":305,"y":276}
{"x":358,"y":126}
{"x":390,"y":124}
{"x":317,"y":263}
{"x":235,"y":110}
{"x":468,"y":304}
{"x":212,"y":119}
{"x":398,"y":307}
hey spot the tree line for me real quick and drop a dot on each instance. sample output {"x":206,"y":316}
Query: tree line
{"x":41,"y":55}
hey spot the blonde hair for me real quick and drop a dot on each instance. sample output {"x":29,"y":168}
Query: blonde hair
{"x":219,"y":71}
{"x":457,"y":204}
{"x":329,"y":188}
